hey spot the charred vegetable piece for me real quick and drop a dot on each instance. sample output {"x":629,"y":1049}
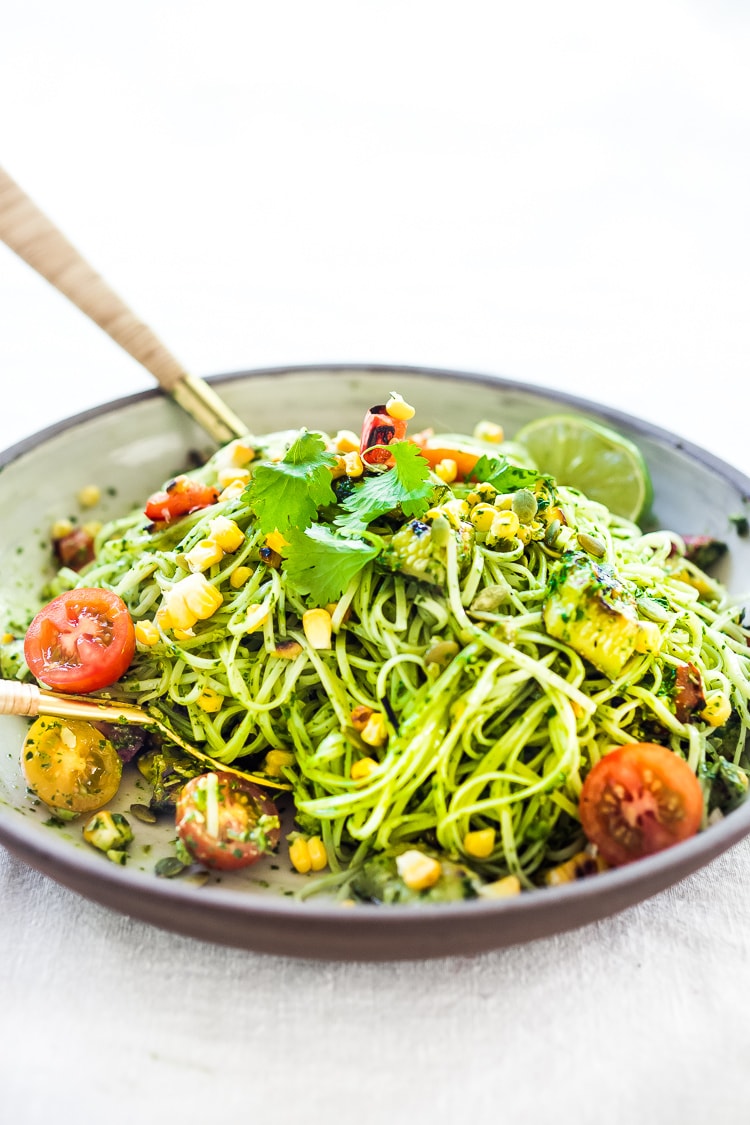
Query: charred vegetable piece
{"x":590,"y":609}
{"x":380,"y":428}
{"x":75,"y":549}
{"x":688,"y":687}
{"x":166,"y":770}
{"x":727,"y":785}
{"x":419,"y":548}
{"x":703,"y":550}
{"x":379,"y":881}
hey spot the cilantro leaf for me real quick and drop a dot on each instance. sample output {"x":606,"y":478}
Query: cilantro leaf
{"x":407,"y":486}
{"x":287,"y":494}
{"x":503,"y":476}
{"x":322,"y":563}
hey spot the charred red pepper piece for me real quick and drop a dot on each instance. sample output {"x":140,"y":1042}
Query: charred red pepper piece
{"x":378,"y":429}
{"x":689,"y":696}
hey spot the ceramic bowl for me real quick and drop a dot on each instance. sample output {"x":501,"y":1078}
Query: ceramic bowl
{"x":128,"y":448}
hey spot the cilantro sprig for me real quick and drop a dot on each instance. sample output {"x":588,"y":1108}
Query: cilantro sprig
{"x":286,"y":494}
{"x":502,"y":475}
{"x":322,"y":563}
{"x":407,"y":485}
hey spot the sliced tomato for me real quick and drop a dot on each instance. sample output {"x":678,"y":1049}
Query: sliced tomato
{"x":70,"y":765}
{"x":226,"y":822}
{"x":181,"y":496}
{"x":379,"y":429}
{"x":81,"y":641}
{"x":638,"y":800}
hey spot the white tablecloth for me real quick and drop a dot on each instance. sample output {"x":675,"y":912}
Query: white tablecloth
{"x":554,"y":192}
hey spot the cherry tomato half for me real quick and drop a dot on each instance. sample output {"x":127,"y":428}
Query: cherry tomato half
{"x":225,"y":821}
{"x":82,"y":641}
{"x":638,"y":800}
{"x":70,"y":765}
{"x":181,"y":496}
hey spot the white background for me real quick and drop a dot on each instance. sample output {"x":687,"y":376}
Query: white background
{"x":553,"y":192}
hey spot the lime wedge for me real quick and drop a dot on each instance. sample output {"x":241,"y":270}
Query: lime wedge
{"x":597,"y":461}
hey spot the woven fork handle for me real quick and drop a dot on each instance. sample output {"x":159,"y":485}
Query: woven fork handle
{"x":27,"y":231}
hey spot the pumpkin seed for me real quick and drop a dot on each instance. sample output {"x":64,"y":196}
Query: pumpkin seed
{"x":169,"y":866}
{"x":144,"y":813}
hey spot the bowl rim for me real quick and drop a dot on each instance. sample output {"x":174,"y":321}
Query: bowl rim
{"x":156,"y":900}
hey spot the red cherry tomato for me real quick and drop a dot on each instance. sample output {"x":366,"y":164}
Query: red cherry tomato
{"x":82,"y":641}
{"x":181,"y":496}
{"x":638,"y":800}
{"x":226,"y":822}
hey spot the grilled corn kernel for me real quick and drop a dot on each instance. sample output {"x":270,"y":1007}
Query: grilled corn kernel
{"x":316,"y":624}
{"x":204,"y":555}
{"x":90,"y":495}
{"x":578,"y":867}
{"x":7,"y":638}
{"x":210,"y":701}
{"x":504,"y":501}
{"x":191,"y":599}
{"x":480,"y":843}
{"x":363,"y":768}
{"x":505,"y":525}
{"x":447,"y":470}
{"x":239,"y":576}
{"x":375,"y":732}
{"x":399,"y":409}
{"x":276,"y":761}
{"x":288,"y":650}
{"x":717,"y":710}
{"x":317,"y":852}
{"x":418,"y":871}
{"x":146,"y":633}
{"x":256,"y":617}
{"x":360,"y":716}
{"x":524,"y":535}
{"x":482,"y":515}
{"x":501,"y":888}
{"x":299,"y":855}
{"x":232,"y":491}
{"x":229,"y":476}
{"x":276,"y":542}
{"x":242,"y":454}
{"x":346,"y":441}
{"x":353,"y":464}
{"x":648,"y":637}
{"x":228,"y":534}
{"x":92,"y":528}
{"x":489,"y":431}
{"x":60,"y":528}
{"x":339,"y":469}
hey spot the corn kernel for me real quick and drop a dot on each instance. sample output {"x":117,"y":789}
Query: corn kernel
{"x":242,"y":454}
{"x":480,"y":843}
{"x":577,"y":867}
{"x":299,"y":855}
{"x":504,"y":501}
{"x":524,"y":535}
{"x":228,"y":476}
{"x":90,"y":495}
{"x":232,"y":491}
{"x":228,"y":534}
{"x":418,"y":871}
{"x":375,"y":732}
{"x":316,"y":624}
{"x":256,"y":617}
{"x":239,"y":576}
{"x":60,"y":528}
{"x":203,"y":555}
{"x":505,"y":525}
{"x":399,"y":409}
{"x":210,"y":701}
{"x":7,"y":638}
{"x":360,"y":716}
{"x":146,"y":633}
{"x":447,"y":470}
{"x":717,"y":710}
{"x":501,"y":888}
{"x":276,"y":761}
{"x":339,"y":469}
{"x":648,"y":637}
{"x":489,"y":431}
{"x":318,"y":853}
{"x":353,"y":464}
{"x":191,"y":599}
{"x":363,"y":768}
{"x":276,"y":542}
{"x":482,"y":516}
{"x":346,"y":441}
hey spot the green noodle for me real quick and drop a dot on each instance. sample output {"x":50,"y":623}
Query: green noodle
{"x":499,"y":736}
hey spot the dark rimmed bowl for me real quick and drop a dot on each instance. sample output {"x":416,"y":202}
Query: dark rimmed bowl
{"x":128,"y":448}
